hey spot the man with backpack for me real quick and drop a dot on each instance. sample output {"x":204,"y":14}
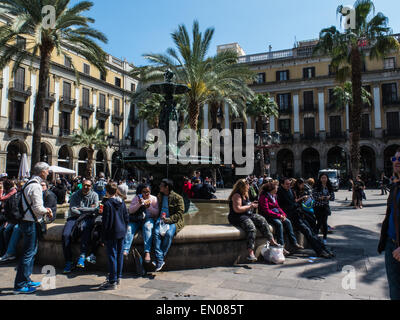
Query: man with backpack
{"x":31,"y":209}
{"x":100,"y":186}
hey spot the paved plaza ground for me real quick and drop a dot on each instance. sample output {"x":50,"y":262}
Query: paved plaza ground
{"x":354,"y":242}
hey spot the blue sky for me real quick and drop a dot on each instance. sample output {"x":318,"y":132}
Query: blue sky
{"x":135,"y":27}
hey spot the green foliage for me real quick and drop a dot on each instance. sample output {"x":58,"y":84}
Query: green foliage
{"x":91,"y":138}
{"x":262,"y":106}
{"x":343,"y":95}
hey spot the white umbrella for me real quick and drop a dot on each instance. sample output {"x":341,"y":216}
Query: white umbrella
{"x":61,"y":170}
{"x":24,"y":168}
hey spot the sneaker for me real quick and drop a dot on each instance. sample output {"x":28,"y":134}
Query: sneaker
{"x":325,"y":255}
{"x":81,"y":262}
{"x":91,"y":259}
{"x":25,"y":290}
{"x":160,"y":265}
{"x":68,"y":267}
{"x":7,"y":257}
{"x":108,"y":286}
{"x":298,"y":247}
{"x":324,"y":241}
{"x":34,"y":284}
{"x":252,"y":258}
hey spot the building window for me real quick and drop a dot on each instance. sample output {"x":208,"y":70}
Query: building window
{"x":85,"y":97}
{"x":67,"y":90}
{"x":67,"y":62}
{"x":308,"y":99}
{"x":19,"y":79}
{"x":86,"y":69}
{"x":282,"y":75}
{"x":392,"y":121}
{"x":116,"y":131}
{"x":65,"y":122}
{"x":102,"y":124}
{"x":284,"y":101}
{"x":309,"y":73}
{"x":21,"y":43}
{"x":116,"y":107}
{"x":309,"y":127}
{"x":118,"y":82}
{"x":335,"y":125}
{"x":85,"y":123}
{"x":284,"y":126}
{"x":389,"y":63}
{"x":102,"y":76}
{"x":102,"y":101}
{"x":365,"y":128}
{"x":133,"y":87}
{"x":331,"y":70}
{"x":260,"y":78}
{"x":389,"y":93}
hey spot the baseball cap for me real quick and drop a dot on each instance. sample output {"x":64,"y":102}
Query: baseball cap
{"x":3,"y":175}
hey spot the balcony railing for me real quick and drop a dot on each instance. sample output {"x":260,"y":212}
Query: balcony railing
{"x":310,"y":137}
{"x":65,"y":132}
{"x":309,"y":108}
{"x":86,"y":109}
{"x":391,"y":102}
{"x":365,"y":134}
{"x":102,"y":113}
{"x":117,"y":117}
{"x":285,"y":110}
{"x":336,"y":136}
{"x":67,"y":104}
{"x":47,"y":130}
{"x":20,"y":126}
{"x":392,"y":133}
{"x":20,"y":90}
{"x":49,"y":98}
{"x":286,"y":138}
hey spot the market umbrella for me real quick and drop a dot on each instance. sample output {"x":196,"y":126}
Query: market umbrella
{"x":24,"y":171}
{"x":61,"y":170}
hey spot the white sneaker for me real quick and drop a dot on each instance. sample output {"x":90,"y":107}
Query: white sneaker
{"x":7,"y":257}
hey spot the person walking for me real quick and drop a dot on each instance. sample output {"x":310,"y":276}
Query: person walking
{"x":322,"y":194}
{"x":390,"y":233}
{"x":115,"y":222}
{"x":359,"y":188}
{"x":32,"y":205}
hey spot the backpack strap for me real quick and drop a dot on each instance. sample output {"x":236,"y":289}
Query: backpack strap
{"x":28,"y":205}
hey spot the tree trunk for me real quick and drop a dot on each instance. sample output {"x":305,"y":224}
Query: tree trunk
{"x":194,"y":112}
{"x":214,"y":112}
{"x":355,"y":112}
{"x":89,"y":166}
{"x":39,"y":109}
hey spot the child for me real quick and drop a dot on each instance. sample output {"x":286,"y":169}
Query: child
{"x":115,"y":222}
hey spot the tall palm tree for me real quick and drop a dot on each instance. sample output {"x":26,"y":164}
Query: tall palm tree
{"x":92,"y":139}
{"x":343,"y":95}
{"x":71,"y":29}
{"x":260,"y":107}
{"x":348,"y":54}
{"x":204,"y":75}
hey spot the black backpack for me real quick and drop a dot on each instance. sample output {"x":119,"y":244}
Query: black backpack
{"x":13,"y":208}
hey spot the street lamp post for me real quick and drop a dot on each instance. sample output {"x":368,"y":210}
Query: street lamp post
{"x":117,"y":146}
{"x":267,"y":142}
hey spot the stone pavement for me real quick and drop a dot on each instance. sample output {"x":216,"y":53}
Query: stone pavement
{"x":354,"y":241}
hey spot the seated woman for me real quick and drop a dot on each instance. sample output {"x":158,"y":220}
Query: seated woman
{"x":303,"y":194}
{"x":142,"y":212}
{"x":241,"y":214}
{"x":269,"y":208}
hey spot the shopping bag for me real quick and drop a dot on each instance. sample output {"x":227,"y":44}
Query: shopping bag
{"x":273,"y":254}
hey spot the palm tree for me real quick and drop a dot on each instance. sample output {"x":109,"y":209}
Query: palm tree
{"x":205,"y":76}
{"x":92,"y":139}
{"x":71,"y":29}
{"x":260,"y":107}
{"x":343,"y":95}
{"x":348,"y":54}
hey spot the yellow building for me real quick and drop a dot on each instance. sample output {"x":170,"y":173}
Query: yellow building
{"x":315,"y":135}
{"x":97,"y":100}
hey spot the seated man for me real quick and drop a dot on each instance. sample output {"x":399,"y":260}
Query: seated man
{"x":207,"y":190}
{"x":288,"y":204}
{"x":169,"y":222}
{"x":83,"y":206}
{"x":196,"y":189}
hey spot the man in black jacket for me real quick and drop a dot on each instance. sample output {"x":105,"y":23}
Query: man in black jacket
{"x":390,"y":233}
{"x":60,"y":191}
{"x":207,"y":190}
{"x":49,"y":201}
{"x":288,"y":204}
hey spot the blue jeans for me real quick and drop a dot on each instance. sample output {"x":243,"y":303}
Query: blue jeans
{"x":25,"y":266}
{"x":12,"y":245}
{"x":279,"y":226}
{"x":115,"y":259}
{"x":162,"y":244}
{"x":5,"y":235}
{"x":392,"y":270}
{"x":87,"y":226}
{"x":147,"y":233}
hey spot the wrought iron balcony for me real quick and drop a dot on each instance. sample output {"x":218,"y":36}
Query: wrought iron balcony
{"x":309,"y":108}
{"x":285,"y":110}
{"x":86,"y":109}
{"x":102,"y":113}
{"x":364,"y":134}
{"x":336,"y":136}
{"x":286,"y":138}
{"x":332,"y":107}
{"x":310,"y":137}
{"x":49,"y":99}
{"x":20,"y":126}
{"x":64,"y":132}
{"x":117,"y":117}
{"x":67,"y":104}
{"x":19,"y":90}
{"x":391,"y":102}
{"x":47,"y":130}
{"x":391,"y":133}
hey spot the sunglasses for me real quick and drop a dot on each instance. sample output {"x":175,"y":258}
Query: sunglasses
{"x":394,"y":159}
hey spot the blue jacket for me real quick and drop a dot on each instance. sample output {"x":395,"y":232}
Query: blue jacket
{"x":115,"y":219}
